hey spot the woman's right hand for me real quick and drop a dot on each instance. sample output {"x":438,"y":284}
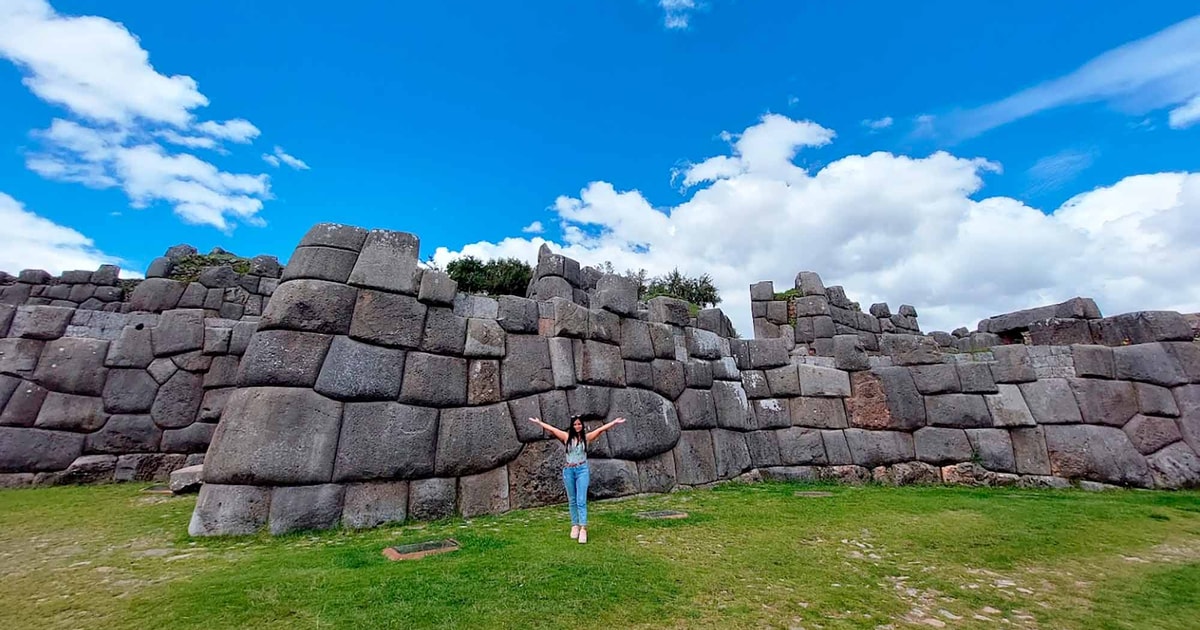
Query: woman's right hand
{"x":535,"y":420}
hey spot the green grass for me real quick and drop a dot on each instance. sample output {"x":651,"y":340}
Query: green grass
{"x":749,"y":556}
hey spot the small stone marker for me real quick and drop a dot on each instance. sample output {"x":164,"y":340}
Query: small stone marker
{"x":813,"y":494}
{"x":661,"y":514}
{"x":416,"y":551}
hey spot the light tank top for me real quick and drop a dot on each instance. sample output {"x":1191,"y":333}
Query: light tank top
{"x":576,"y":453}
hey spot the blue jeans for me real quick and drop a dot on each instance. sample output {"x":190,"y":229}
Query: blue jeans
{"x":576,"y":480}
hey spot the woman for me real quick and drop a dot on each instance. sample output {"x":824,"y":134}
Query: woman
{"x":575,"y":471}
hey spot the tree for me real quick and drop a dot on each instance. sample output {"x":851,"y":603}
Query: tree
{"x":699,"y":290}
{"x":503,"y":276}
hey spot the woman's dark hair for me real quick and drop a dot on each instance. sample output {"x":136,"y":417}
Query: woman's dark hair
{"x":572,"y":434}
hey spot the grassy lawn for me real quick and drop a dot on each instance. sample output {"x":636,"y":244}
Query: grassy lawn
{"x":750,"y":556}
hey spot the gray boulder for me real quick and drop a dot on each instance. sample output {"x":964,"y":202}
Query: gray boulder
{"x":1148,"y":363}
{"x":879,"y":448}
{"x":187,"y":479}
{"x":635,"y":340}
{"x":994,"y":448}
{"x":821,"y":413}
{"x":73,"y":365}
{"x":1029,"y":451}
{"x":484,"y":493}
{"x":312,"y":306}
{"x":771,"y":413}
{"x":612,"y":478}
{"x":1156,"y":401}
{"x":1093,"y":361}
{"x":976,"y":378}
{"x":1096,"y":453}
{"x":1013,"y":364}
{"x":230,"y":510}
{"x":657,"y":474}
{"x":937,"y":445}
{"x":485,"y":338}
{"x":651,"y":426}
{"x":283,"y":357}
{"x":156,"y":294}
{"x":1104,"y":402}
{"x":939,"y":378}
{"x":535,"y":476}
{"x":1008,"y":407}
{"x":910,"y":349}
{"x":600,"y":363}
{"x":320,"y":263}
{"x":526,"y":369}
{"x":434,"y":380}
{"x":388,"y":261}
{"x":764,"y":448}
{"x":335,"y":235}
{"x":71,"y":413}
{"x":801,"y":447}
{"x":178,"y":400}
{"x":695,"y":462}
{"x":615,"y":293}
{"x":357,"y":371}
{"x":129,"y":391}
{"x":517,"y":314}
{"x":696,"y":409}
{"x":34,"y":450}
{"x":40,"y":322}
{"x":730,"y":453}
{"x":821,"y":381}
{"x":1175,"y":467}
{"x":732,"y":406}
{"x":431,"y":499}
{"x":367,"y":505}
{"x":475,"y":439}
{"x":300,"y":508}
{"x":1051,"y":401}
{"x":387,"y":319}
{"x":1149,"y":434}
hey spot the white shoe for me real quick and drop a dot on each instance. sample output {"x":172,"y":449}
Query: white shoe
{"x":574,"y":532}
{"x":582,"y":536}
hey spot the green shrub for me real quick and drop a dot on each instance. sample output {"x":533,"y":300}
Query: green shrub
{"x":503,"y":276}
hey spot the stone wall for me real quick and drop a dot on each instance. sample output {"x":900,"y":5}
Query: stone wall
{"x":810,"y":315}
{"x":98,"y":383}
{"x":373,"y":392}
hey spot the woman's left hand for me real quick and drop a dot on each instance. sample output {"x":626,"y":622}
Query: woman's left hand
{"x":619,"y":421}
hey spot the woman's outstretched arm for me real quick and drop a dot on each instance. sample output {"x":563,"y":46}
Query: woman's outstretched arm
{"x":558,"y":433}
{"x":596,"y":433}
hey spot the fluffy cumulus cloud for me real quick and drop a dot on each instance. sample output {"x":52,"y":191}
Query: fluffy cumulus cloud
{"x":1159,"y":71}
{"x":677,"y":14}
{"x":29,"y":241}
{"x":122,"y":115}
{"x":889,"y":228}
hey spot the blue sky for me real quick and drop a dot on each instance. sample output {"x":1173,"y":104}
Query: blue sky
{"x":899,"y":150}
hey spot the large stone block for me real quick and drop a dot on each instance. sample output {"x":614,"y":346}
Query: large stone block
{"x":696,"y":409}
{"x":446,"y":333}
{"x":1104,"y":402}
{"x":320,"y":263}
{"x":177,"y":403}
{"x":910,"y":349}
{"x":1175,"y":467}
{"x":71,"y":413}
{"x":526,"y":369}
{"x":484,"y":493}
{"x":1142,"y":327}
{"x":976,"y":378}
{"x":783,"y":381}
{"x":40,"y":322}
{"x":73,"y":365}
{"x":7,"y":312}
{"x":285,"y":358}
{"x":600,"y":364}
{"x":129,"y":391}
{"x":695,"y":462}
{"x":357,"y":371}
{"x":732,"y":406}
{"x":385,"y":441}
{"x":229,"y":510}
{"x":567,"y":319}
{"x":37,"y":450}
{"x":485,"y":338}
{"x":755,"y":384}
{"x":1148,"y":363}
{"x":1187,"y":354}
{"x":764,"y":448}
{"x":477,"y":306}
{"x":837,"y":450}
{"x":549,"y":288}
{"x":1148,"y":433}
{"x":615,"y":293}
{"x":702,"y":344}
{"x":562,"y":362}
{"x":275,"y":435}
{"x":367,"y":505}
{"x":885,"y":397}
{"x":19,"y":357}
{"x":731,"y":454}
{"x":638,"y":374}
{"x":434,"y":380}
{"x":1008,"y":407}
{"x":388,"y":261}
{"x":387,"y":319}
{"x":1093,"y":361}
{"x":213,"y":405}
{"x":651,"y":427}
{"x":535,"y":476}
{"x":994,"y":448}
{"x":662,"y":339}
{"x":194,"y":438}
{"x":312,"y":306}
{"x":475,"y":439}
{"x":180,"y":330}
{"x":1029,"y":451}
{"x":635,"y":341}
{"x":767,"y":353}
{"x":963,"y":411}
{"x":821,"y":381}
{"x":300,"y":508}
{"x":939,"y":378}
{"x":937,"y":445}
{"x":1013,"y":364}
{"x":589,"y":401}
{"x":668,"y":310}
{"x":612,"y":478}
{"x":801,"y":447}
{"x":1156,"y":401}
{"x":517,"y":314}
{"x":483,"y":382}
{"x":879,"y":448}
{"x":657,"y":474}
{"x":156,"y":295}
{"x":604,"y":326}
{"x":24,"y":404}
{"x":431,"y":499}
{"x":773,"y":413}
{"x":668,"y":378}
{"x":821,"y":413}
{"x":334,"y":235}
{"x":1051,"y":401}
{"x":1188,"y":400}
{"x":1096,"y":453}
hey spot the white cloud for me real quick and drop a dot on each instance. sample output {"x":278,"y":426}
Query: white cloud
{"x":878,"y":124}
{"x":1185,"y":115}
{"x":534,"y":228}
{"x":889,"y":228}
{"x":29,"y":241}
{"x":1054,"y":171}
{"x":282,"y":157}
{"x":677,"y":14}
{"x":1161,"y":70}
{"x":236,"y":130}
{"x":120,"y":108}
